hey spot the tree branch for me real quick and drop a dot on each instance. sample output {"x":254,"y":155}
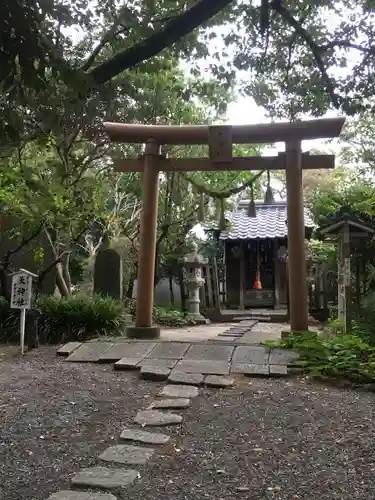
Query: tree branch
{"x":347,"y":45}
{"x":314,"y":47}
{"x":174,"y":31}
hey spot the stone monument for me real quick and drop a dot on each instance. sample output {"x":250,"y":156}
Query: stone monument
{"x":194,"y":281}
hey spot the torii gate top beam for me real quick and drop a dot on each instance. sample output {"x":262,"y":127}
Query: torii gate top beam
{"x":241,"y":134}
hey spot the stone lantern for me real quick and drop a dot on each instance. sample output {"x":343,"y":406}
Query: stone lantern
{"x":194,"y":281}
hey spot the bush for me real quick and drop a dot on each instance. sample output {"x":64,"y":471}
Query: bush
{"x":167,"y":316}
{"x":344,"y":356}
{"x":79,"y":318}
{"x":68,"y":319}
{"x":163,"y":316}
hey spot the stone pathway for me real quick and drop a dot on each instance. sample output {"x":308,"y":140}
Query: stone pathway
{"x":135,"y":452}
{"x":185,"y":366}
{"x":181,"y":362}
{"x":238,"y":331}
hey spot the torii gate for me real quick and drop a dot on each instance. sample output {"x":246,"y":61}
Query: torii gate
{"x":220,"y":139}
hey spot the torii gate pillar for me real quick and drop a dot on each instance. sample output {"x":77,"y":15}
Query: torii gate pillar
{"x":147,"y":247}
{"x":298,"y":303}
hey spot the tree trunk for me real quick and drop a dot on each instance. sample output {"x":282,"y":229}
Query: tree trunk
{"x":60,"y":282}
{"x":171,"y":291}
{"x":66,"y":272}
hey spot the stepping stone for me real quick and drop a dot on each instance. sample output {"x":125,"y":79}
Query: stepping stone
{"x":169,"y":350}
{"x":179,"y":391}
{"x":90,"y":352}
{"x":127,"y":350}
{"x":252,"y":355}
{"x":81,"y":495}
{"x":102,"y":477}
{"x":68,"y":348}
{"x":278,"y":370}
{"x":177,"y":377}
{"x":160,"y":363}
{"x":170,"y":404}
{"x":144,"y":437}
{"x":128,"y":364}
{"x":217,"y":381}
{"x":251,"y":369}
{"x":209,"y":352}
{"x":127,"y":454}
{"x":157,"y":373}
{"x":207,"y":367}
{"x":282,"y":357}
{"x":157,"y":418}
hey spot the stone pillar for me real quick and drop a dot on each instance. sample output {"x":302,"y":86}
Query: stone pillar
{"x":146,"y":259}
{"x":296,"y":235}
{"x":194,"y":281}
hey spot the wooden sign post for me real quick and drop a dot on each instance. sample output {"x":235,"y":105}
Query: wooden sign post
{"x":21,"y":298}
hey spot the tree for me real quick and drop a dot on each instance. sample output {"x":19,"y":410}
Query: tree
{"x":298,"y":57}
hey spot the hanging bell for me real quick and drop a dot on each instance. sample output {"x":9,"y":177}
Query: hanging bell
{"x":268,"y":197}
{"x":251,"y":210}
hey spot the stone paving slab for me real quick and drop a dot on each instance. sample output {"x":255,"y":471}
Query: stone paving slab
{"x":209,"y":352}
{"x":209,"y":367}
{"x":179,"y":391}
{"x":169,"y":350}
{"x":218,"y":381}
{"x":177,"y":377}
{"x":156,"y":373}
{"x":127,"y":454}
{"x":138,"y":436}
{"x":80,"y":495}
{"x":105,"y":478}
{"x":251,"y":369}
{"x":127,"y":350}
{"x":278,"y":370}
{"x":256,"y":355}
{"x":90,"y":352}
{"x":128,"y":364}
{"x":282,"y":357}
{"x":160,"y":363}
{"x":68,"y":348}
{"x":170,"y":404}
{"x":156,"y":418}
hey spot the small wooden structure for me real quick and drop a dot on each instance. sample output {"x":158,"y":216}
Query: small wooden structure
{"x":220,"y":139}
{"x":347,"y":228}
{"x":255,"y":255}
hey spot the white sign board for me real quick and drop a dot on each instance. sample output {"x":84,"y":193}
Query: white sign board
{"x":22,"y":282}
{"x":21,"y":291}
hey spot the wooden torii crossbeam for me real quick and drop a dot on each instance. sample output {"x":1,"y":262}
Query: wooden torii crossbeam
{"x":220,"y":139}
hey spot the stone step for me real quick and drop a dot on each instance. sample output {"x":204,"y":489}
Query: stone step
{"x":144,"y":437}
{"x":183,"y":378}
{"x":127,"y":454}
{"x":80,"y":495}
{"x":105,"y":478}
{"x":179,"y":391}
{"x":170,"y":404}
{"x":156,"y":418}
{"x":217,"y":381}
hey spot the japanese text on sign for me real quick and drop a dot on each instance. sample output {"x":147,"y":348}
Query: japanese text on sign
{"x":21,"y":291}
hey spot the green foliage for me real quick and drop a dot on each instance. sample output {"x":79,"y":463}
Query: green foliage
{"x":163,"y":316}
{"x":345,"y":356}
{"x":79,"y":318}
{"x":168,"y":316}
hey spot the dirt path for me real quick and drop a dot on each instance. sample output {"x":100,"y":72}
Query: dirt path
{"x":264,"y":439}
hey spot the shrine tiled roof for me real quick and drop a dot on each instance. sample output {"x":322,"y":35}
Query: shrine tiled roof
{"x":270,"y":221}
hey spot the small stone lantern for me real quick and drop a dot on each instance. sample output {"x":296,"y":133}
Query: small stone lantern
{"x":194,"y":281}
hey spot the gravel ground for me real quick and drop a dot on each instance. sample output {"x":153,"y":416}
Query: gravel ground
{"x":264,"y":439}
